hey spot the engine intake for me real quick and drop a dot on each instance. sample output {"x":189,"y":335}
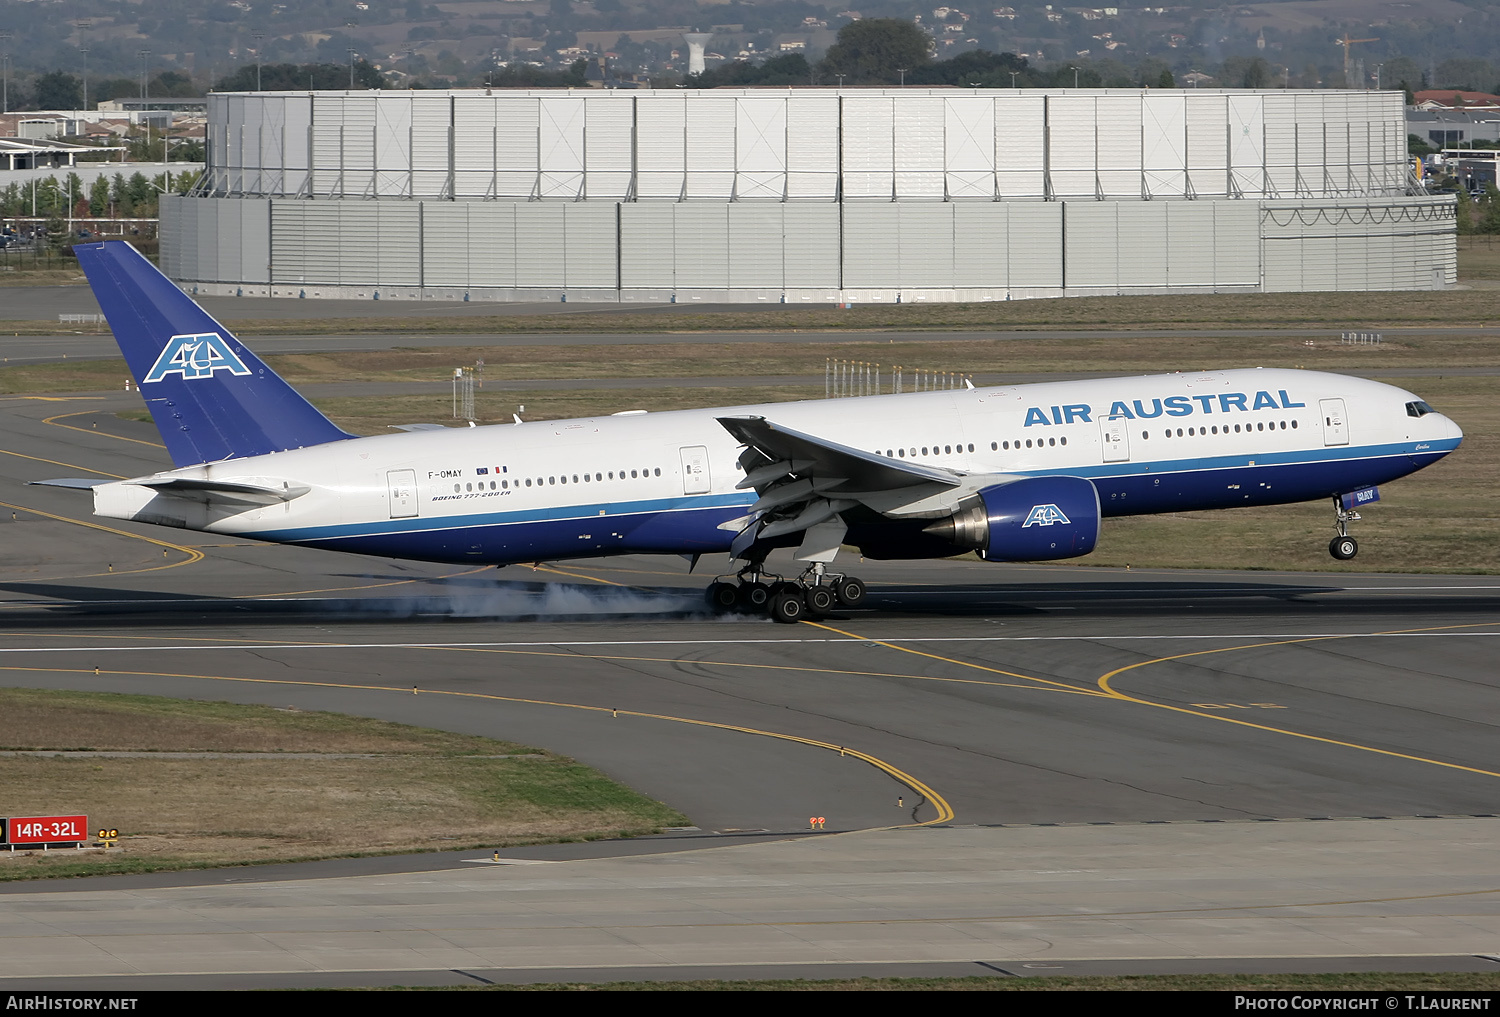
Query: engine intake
{"x":1034,"y":519}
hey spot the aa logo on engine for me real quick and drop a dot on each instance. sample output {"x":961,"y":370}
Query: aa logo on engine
{"x":194,"y":357}
{"x":1044,"y":515}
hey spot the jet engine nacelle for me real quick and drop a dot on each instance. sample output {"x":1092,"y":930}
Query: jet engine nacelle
{"x":1034,"y":519}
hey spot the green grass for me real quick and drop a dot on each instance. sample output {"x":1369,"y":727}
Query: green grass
{"x":370,"y":786}
{"x":1021,"y":355}
{"x":1479,"y":258}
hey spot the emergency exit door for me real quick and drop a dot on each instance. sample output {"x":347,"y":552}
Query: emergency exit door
{"x":695,"y":479}
{"x":1335,"y":424}
{"x":402,"y":488}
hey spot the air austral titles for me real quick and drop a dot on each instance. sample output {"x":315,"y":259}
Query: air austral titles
{"x":1023,"y":473}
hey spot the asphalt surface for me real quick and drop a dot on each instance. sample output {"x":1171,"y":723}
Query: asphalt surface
{"x":1105,"y":759}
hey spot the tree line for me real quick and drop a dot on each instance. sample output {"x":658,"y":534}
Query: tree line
{"x":117,"y":197}
{"x":891,"y":51}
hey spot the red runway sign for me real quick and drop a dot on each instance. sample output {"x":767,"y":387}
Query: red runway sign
{"x":47,"y":830}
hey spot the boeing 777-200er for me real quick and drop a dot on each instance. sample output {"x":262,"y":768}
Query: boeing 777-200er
{"x":1020,"y":473}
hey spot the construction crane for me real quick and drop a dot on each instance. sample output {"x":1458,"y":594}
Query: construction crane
{"x":1346,"y":42}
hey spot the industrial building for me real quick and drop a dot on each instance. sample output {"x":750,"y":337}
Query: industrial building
{"x":805,"y":194}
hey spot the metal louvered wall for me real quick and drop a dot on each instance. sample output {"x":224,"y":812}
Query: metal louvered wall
{"x":805,"y":195}
{"x":808,"y":144}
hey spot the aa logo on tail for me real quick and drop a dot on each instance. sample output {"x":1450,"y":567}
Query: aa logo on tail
{"x":1044,"y":515}
{"x":195,"y":356}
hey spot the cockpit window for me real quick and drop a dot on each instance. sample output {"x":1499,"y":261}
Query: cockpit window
{"x":1418,"y":409}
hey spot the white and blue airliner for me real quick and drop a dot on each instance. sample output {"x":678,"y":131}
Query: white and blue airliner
{"x":1017,"y":474}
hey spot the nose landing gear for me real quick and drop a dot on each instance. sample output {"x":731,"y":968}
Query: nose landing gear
{"x":1343,"y":547}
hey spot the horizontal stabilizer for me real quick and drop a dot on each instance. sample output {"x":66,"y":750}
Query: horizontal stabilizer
{"x":235,"y":491}
{"x":80,"y":483}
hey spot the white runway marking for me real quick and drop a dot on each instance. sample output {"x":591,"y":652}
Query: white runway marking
{"x":1229,"y":637}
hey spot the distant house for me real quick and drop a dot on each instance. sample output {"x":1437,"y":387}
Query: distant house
{"x":1450,"y":98}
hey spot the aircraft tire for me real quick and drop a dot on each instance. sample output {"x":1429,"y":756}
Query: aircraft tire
{"x":1343,"y":548}
{"x":753,"y":596}
{"x":820,"y":600}
{"x":722,"y":596}
{"x":849,"y":591}
{"x":788,"y":608}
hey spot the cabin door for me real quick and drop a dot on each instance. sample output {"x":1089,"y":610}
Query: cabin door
{"x":402,"y":487}
{"x":1114,"y":438}
{"x":695,"y":479}
{"x":1335,"y":424}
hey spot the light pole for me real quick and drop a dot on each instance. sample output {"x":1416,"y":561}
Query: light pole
{"x":841,"y":79}
{"x":902,"y":71}
{"x":351,"y":68}
{"x":258,"y":37}
{"x":145,"y":55}
{"x":1075,"y":76}
{"x":83,"y":26}
{"x":1013,"y":78}
{"x":5,"y":73}
{"x":1377,"y":76}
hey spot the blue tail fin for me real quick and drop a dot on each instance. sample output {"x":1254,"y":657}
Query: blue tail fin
{"x":211,"y":398}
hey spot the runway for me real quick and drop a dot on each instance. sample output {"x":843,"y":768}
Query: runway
{"x":1018,"y":765}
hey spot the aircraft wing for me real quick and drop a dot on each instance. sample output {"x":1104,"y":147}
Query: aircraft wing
{"x":806,"y":483}
{"x":858,"y":469}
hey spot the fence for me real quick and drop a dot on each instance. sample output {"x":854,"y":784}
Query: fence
{"x":848,"y":378}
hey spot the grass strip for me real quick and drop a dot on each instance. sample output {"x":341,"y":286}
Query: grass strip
{"x":411,"y":789}
{"x":1010,"y":357}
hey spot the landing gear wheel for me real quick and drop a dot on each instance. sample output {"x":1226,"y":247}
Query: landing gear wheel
{"x":754,"y":596}
{"x":819,"y":600}
{"x":787,"y":607}
{"x":849,"y":591}
{"x":722,"y":596}
{"x":1343,"y":548}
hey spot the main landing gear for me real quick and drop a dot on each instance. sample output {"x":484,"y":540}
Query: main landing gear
{"x":1343,"y":547}
{"x":814,"y":594}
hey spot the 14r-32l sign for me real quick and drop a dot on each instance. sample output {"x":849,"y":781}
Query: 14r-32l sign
{"x":45,"y":830}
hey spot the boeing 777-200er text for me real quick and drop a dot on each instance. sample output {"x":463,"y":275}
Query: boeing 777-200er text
{"x":1017,"y":474}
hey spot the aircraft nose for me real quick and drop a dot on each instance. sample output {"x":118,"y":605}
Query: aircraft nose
{"x":1454,"y":432}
